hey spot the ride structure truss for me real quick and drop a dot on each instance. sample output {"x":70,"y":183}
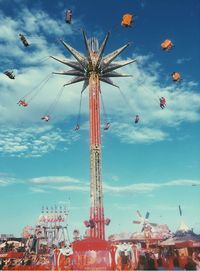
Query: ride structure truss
{"x":93,"y":68}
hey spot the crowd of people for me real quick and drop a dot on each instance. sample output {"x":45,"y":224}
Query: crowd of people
{"x":11,"y":247}
{"x":29,"y":259}
{"x":165,"y":258}
{"x":26,"y":263}
{"x":169,"y":259}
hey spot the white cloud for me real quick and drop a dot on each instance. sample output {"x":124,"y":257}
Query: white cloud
{"x":34,"y":141}
{"x":58,"y":183}
{"x":4,"y":182}
{"x":67,"y":183}
{"x":183,"y":60}
{"x":134,"y":188}
{"x":38,"y":190}
{"x":6,"y":179}
{"x":131,"y":134}
{"x":192,"y":84}
{"x":147,"y":187}
{"x":81,"y":188}
{"x":183,"y":182}
{"x":54,"y":180}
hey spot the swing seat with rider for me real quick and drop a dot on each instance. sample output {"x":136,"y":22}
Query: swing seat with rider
{"x":10,"y":74}
{"x":107,"y":126}
{"x":68,"y":16}
{"x":45,"y":118}
{"x":77,"y":127}
{"x":127,"y":20}
{"x":22,"y":103}
{"x":24,"y":40}
{"x":176,"y":76}
{"x":137,"y":118}
{"x":167,"y":45}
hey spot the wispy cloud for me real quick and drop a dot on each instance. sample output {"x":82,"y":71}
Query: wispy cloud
{"x":54,"y":180}
{"x":33,"y":142}
{"x":7,"y":179}
{"x":183,"y":60}
{"x":183,"y":182}
{"x":68,"y":183}
{"x":192,"y":84}
{"x":38,"y":190}
{"x":4,"y":182}
{"x":136,"y":188}
{"x":59,"y":183}
{"x":130,"y":134}
{"x":148,"y":187}
{"x":81,"y":188}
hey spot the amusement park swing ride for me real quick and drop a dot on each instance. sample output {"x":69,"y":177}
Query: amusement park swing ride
{"x":91,"y":69}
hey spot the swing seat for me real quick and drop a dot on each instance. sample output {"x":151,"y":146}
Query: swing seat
{"x":10,"y":74}
{"x":24,"y":40}
{"x":162,"y":102}
{"x":22,"y":103}
{"x":87,"y":223}
{"x":77,"y":127}
{"x":176,"y":76}
{"x":137,"y":119}
{"x":46,"y":118}
{"x":167,"y":45}
{"x":68,"y":16}
{"x":127,"y":20}
{"x":107,"y":126}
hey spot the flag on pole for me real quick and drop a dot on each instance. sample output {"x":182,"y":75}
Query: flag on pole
{"x":180,"y":211}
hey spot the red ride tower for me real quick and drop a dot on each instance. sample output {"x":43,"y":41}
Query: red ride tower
{"x":97,"y":224}
{"x":92,"y":69}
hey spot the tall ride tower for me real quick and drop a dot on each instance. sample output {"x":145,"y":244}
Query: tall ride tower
{"x":93,"y":68}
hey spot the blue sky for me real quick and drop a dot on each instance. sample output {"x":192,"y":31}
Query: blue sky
{"x":151,"y":166}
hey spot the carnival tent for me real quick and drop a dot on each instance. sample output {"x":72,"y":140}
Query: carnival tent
{"x":183,"y":239}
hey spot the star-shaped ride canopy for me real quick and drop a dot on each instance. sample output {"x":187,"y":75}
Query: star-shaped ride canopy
{"x":93,"y":62}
